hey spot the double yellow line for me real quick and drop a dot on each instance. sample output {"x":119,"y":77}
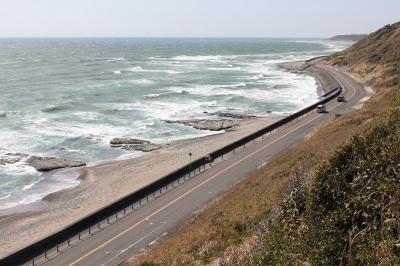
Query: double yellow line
{"x":203,"y":183}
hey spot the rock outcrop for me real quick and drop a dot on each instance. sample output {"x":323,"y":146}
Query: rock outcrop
{"x":207,"y":124}
{"x":11,"y":158}
{"x":232,"y":115}
{"x":134,"y":144}
{"x":45,"y":164}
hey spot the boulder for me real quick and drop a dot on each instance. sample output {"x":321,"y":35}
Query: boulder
{"x":45,"y":164}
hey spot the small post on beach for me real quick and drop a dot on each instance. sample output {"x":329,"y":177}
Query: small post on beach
{"x":190,"y":161}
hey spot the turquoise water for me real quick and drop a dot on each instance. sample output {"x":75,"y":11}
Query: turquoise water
{"x":68,"y":97}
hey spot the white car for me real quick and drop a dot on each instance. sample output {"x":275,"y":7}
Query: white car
{"x":321,"y":108}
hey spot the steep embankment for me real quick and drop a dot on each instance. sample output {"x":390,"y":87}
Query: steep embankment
{"x":320,"y":202}
{"x":349,"y":213}
{"x":376,"y":58}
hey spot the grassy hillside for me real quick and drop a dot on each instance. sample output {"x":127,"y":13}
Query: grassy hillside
{"x":376,"y":58}
{"x":350,"y":214}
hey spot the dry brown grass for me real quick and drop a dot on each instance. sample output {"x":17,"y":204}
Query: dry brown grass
{"x":232,"y":218}
{"x":375,"y":58}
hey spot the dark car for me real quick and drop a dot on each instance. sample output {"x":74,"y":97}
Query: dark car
{"x":341,"y":98}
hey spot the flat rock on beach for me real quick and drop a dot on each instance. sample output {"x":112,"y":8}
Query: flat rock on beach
{"x":134,"y":144}
{"x":45,"y":164}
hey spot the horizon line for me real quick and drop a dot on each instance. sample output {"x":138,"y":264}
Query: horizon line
{"x":158,"y":37}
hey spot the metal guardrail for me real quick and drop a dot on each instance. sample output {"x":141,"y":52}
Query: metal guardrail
{"x":52,"y":245}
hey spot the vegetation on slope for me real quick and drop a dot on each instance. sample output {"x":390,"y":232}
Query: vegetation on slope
{"x":375,"y":58}
{"x":350,"y":214}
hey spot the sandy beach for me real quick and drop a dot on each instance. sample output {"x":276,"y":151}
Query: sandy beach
{"x":105,"y":183}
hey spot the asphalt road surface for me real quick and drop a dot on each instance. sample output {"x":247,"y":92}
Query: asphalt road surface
{"x":143,"y":228}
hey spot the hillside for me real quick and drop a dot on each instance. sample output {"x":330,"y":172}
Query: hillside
{"x":350,"y":37}
{"x":376,"y":58}
{"x":347,"y":212}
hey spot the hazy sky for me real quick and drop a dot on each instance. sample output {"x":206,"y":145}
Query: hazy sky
{"x":194,"y":18}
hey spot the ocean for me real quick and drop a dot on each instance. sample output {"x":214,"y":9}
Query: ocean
{"x":69,"y":97}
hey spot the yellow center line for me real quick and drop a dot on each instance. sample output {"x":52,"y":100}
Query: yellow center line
{"x":196,"y":187}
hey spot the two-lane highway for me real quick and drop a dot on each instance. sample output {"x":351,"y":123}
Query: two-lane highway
{"x":138,"y":231}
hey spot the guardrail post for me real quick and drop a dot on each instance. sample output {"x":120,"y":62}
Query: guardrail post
{"x":45,"y":254}
{"x":89,"y":231}
{"x":68,"y":242}
{"x":79,"y":235}
{"x":57,"y":249}
{"x":33,"y":261}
